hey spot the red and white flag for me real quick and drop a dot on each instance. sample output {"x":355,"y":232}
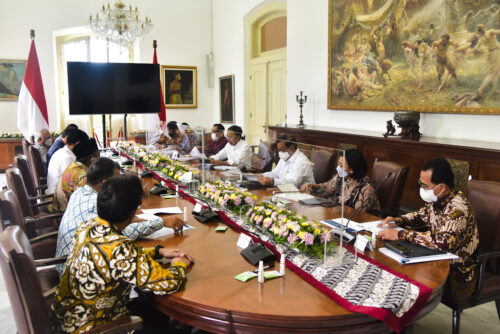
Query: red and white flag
{"x":156,"y":122}
{"x":32,"y":113}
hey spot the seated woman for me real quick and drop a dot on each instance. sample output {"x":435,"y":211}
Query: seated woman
{"x":358,"y":189}
{"x":103,"y":265}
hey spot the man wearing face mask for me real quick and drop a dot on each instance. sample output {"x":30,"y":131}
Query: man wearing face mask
{"x":451,"y":225}
{"x":177,"y":140}
{"x":219,"y":141}
{"x":294,"y":167}
{"x":43,"y":143}
{"x":237,"y":151}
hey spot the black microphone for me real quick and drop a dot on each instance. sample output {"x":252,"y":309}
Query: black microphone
{"x":356,"y":211}
{"x":205,"y":214}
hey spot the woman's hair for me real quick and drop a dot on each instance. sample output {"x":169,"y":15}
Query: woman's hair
{"x":118,"y":198}
{"x":357,"y":163}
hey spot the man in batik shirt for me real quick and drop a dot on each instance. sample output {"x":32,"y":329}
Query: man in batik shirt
{"x":450,"y":224}
{"x":103,"y":265}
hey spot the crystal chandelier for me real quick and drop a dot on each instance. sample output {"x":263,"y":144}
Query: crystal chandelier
{"x":119,"y":24}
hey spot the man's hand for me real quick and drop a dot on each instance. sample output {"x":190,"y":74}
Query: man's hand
{"x":390,"y":222}
{"x":388,"y":234}
{"x":265,"y":181}
{"x":306,"y":186}
{"x":173,"y":222}
{"x":176,"y":255}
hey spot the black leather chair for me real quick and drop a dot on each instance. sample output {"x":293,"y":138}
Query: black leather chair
{"x":484,"y":196}
{"x":38,"y":167}
{"x":29,"y":301}
{"x":389,"y":193}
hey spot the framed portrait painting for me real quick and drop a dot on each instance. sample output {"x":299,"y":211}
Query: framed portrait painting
{"x":440,"y":56}
{"x":226,"y":89}
{"x":11,"y":78}
{"x":179,"y":84}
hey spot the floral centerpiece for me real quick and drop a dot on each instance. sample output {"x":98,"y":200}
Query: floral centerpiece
{"x":169,"y":167}
{"x":133,"y":149}
{"x":11,"y":135}
{"x":286,"y":227}
{"x":227,"y":196}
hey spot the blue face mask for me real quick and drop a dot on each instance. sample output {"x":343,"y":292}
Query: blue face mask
{"x":342,"y":172}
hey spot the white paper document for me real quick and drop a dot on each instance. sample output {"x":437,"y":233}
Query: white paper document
{"x":337,"y":222}
{"x":167,"y":210}
{"x":251,"y":177}
{"x":288,"y":187}
{"x":225,"y":167}
{"x":166,"y":231}
{"x":195,"y":153}
{"x":186,"y":177}
{"x":428,"y":258}
{"x":293,"y":196}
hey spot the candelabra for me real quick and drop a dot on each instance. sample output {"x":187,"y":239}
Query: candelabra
{"x":301,"y":102}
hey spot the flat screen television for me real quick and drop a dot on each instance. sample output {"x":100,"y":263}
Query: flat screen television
{"x":113,"y":88}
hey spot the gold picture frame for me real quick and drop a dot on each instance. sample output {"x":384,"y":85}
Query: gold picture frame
{"x":179,"y":85}
{"x":387,"y":37}
{"x":11,"y":78}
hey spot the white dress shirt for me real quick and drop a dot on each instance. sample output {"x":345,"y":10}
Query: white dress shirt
{"x":239,"y":155}
{"x":57,"y":165}
{"x":297,"y":170}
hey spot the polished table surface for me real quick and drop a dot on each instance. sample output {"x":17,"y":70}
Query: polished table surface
{"x":213,"y":300}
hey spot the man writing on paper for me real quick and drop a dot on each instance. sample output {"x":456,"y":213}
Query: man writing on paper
{"x":294,"y":167}
{"x":450,"y":222}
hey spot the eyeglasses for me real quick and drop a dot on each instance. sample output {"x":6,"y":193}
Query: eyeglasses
{"x":424,"y":186}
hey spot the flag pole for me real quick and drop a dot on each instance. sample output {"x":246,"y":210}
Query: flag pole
{"x":32,"y":34}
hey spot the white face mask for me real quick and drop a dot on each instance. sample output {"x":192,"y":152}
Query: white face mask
{"x":284,"y":155}
{"x":428,"y":195}
{"x":214,"y":136}
{"x":342,"y":172}
{"x":48,"y":142}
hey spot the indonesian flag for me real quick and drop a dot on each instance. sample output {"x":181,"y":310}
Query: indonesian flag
{"x":162,"y":114}
{"x":32,"y":109}
{"x":156,"y":122}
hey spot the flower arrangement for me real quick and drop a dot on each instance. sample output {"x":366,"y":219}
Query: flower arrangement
{"x":11,"y":135}
{"x":286,"y":227}
{"x":227,"y":196}
{"x":157,"y":162}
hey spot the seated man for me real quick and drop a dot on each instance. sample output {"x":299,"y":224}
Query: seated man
{"x":75,"y":175}
{"x":63,"y":158}
{"x":43,"y":143}
{"x":82,"y":206}
{"x":218,"y":140}
{"x":103,"y":265}
{"x":358,"y":189}
{"x":237,"y":151}
{"x":178,"y":141}
{"x":59,"y":142}
{"x":294,"y":167}
{"x":450,"y":222}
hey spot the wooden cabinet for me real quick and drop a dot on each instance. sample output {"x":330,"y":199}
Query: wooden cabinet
{"x":483,"y":158}
{"x":9,"y":148}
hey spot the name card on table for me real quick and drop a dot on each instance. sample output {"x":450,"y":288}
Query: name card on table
{"x":197,"y":208}
{"x":361,"y":243}
{"x":244,"y":241}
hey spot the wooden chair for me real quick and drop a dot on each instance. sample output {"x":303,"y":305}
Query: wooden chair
{"x":38,"y":167}
{"x":21,"y":162}
{"x":324,"y":165}
{"x":484,"y":196}
{"x":43,"y":240}
{"x":16,"y":183}
{"x":26,"y":294}
{"x":389,"y":193}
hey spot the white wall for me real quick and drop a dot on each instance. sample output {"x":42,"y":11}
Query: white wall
{"x":182,"y":29}
{"x":307,"y":71}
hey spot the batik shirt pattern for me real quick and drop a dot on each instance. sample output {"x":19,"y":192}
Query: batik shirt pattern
{"x":100,"y":271}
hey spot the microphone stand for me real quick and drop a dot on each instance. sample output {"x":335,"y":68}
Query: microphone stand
{"x":342,"y":227}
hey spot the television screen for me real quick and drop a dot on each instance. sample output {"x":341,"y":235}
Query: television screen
{"x":113,"y":88}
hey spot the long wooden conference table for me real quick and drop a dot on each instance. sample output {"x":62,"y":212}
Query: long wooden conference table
{"x":214,"y":301}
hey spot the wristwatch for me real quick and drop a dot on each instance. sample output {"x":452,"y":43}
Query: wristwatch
{"x":157,"y":251}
